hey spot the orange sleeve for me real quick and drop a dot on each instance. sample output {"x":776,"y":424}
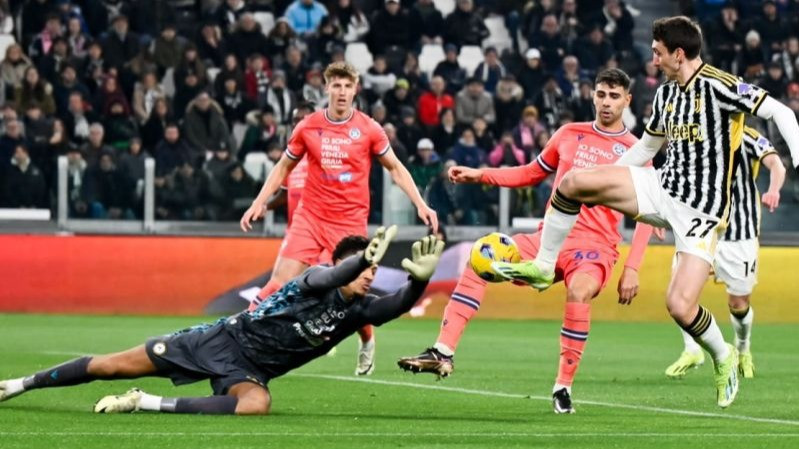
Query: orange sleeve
{"x":641,"y":237}
{"x":526,"y":175}
{"x":295,"y":149}
{"x":379,"y":140}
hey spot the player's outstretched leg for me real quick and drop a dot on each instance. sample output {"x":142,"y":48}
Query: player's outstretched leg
{"x":692,"y":357}
{"x":742,"y":315}
{"x":463,"y":304}
{"x":682,"y":301}
{"x":243,"y":398}
{"x":365,"y":365}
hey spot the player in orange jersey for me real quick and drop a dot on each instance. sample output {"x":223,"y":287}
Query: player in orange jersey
{"x":338,"y":143}
{"x":586,"y":263}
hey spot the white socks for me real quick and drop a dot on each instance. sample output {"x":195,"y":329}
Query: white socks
{"x":150,"y":402}
{"x":743,"y":329}
{"x":557,"y":226}
{"x":443,"y":349}
{"x":713,"y":342}
{"x":559,"y":387}
{"x":690,"y":344}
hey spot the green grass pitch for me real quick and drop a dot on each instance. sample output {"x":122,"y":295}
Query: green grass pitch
{"x":497,"y":398}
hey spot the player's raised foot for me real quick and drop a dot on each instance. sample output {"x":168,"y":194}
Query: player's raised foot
{"x":123,"y":403}
{"x":562,"y":402}
{"x":726,"y":377}
{"x":10,"y":388}
{"x":746,"y":366}
{"x":688,"y":360}
{"x":527,"y":272}
{"x":366,"y":358}
{"x":429,"y":361}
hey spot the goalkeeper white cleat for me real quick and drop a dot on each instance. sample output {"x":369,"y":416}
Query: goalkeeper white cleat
{"x":123,"y":403}
{"x":10,"y":388}
{"x":366,"y":358}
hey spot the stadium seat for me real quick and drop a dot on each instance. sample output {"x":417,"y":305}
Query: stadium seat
{"x":499,"y":36}
{"x":257,"y":165}
{"x":266,"y":20}
{"x":239,"y":130}
{"x":429,"y":58}
{"x":169,"y":82}
{"x":6,"y":40}
{"x":470,"y":57}
{"x":359,"y":56}
{"x":445,"y":6}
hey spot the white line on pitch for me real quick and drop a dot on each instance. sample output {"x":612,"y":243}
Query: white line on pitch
{"x":405,"y":434}
{"x":672,"y":411}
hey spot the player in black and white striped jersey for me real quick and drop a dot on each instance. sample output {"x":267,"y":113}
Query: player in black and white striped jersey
{"x":736,"y":256}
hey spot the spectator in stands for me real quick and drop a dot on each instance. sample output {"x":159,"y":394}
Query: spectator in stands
{"x":398,"y":99}
{"x":322,"y":43}
{"x":120,"y":45}
{"x":396,"y":144}
{"x":408,"y":132}
{"x":617,"y":23}
{"x":466,"y":152}
{"x":57,"y":144}
{"x":218,"y":165}
{"x":38,"y":129}
{"x":261,"y":133}
{"x":230,"y":70}
{"x":551,"y":101}
{"x":472,"y":102}
{"x":68,"y":83}
{"x":145,"y":94}
{"x":131,"y":165}
{"x":239,"y":190}
{"x":108,"y":191}
{"x":594,"y":50}
{"x":280,"y":98}
{"x":753,"y":57}
{"x":425,"y":165}
{"x":248,"y":38}
{"x":304,"y":16}
{"x":190,"y":64}
{"x":24,"y":183}
{"x":508,"y":102}
{"x":95,"y":145}
{"x":772,"y":27}
{"x":229,"y":13}
{"x":569,"y":76}
{"x":211,"y":46}
{"x":153,"y":130}
{"x":413,"y":73}
{"x":172,"y":151}
{"x":280,"y":39}
{"x":531,"y":76}
{"x":571,"y":27}
{"x":464,"y":26}
{"x":189,"y":194}
{"x":549,"y":41}
{"x":9,"y":141}
{"x":167,"y":49}
{"x":450,"y":70}
{"x":34,"y":16}
{"x":314,"y":89}
{"x":110,"y":93}
{"x":295,"y":68}
{"x":724,"y":38}
{"x":76,"y":168}
{"x":120,"y":126}
{"x":52,"y":63}
{"x":644,"y":88}
{"x":392,"y":26}
{"x":205,"y":126}
{"x":789,"y":58}
{"x":446,"y":133}
{"x":43,"y":42}
{"x":583,"y":105}
{"x":94,"y":69}
{"x":379,"y":112}
{"x":378,"y":78}
{"x":34,"y":91}
{"x":235,"y":105}
{"x":491,"y":70}
{"x":256,"y":79}
{"x":506,"y":153}
{"x":14,"y":66}
{"x":775,"y":82}
{"x":77,"y":118}
{"x":526,"y":133}
{"x":187,"y":90}
{"x":432,"y":102}
{"x":352,"y":22}
{"x":441,"y":195}
{"x":431,"y":22}
{"x":77,"y":39}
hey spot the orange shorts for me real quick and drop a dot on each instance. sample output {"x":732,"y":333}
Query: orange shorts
{"x":312,"y":241}
{"x":578,"y":255}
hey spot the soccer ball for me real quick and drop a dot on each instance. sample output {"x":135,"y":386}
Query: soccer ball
{"x":494,"y":247}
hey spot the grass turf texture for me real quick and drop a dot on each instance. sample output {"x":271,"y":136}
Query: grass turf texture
{"x":498,"y":396}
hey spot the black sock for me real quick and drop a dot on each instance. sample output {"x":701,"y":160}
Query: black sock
{"x":66,"y":374}
{"x":209,"y":405}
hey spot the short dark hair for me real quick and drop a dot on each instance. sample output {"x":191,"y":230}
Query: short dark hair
{"x":678,"y":32}
{"x":349,"y":245}
{"x":613,"y":77}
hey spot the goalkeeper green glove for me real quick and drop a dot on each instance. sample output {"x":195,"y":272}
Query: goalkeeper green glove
{"x":379,"y":244}
{"x":424,"y":258}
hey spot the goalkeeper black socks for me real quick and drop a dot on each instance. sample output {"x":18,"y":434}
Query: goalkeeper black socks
{"x":210,"y":405}
{"x":66,"y":374}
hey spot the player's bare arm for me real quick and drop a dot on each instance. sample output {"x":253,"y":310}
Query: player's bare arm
{"x":272,"y":184}
{"x":777,"y":178}
{"x":402,"y":177}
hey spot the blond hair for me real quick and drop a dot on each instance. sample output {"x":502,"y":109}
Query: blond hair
{"x":341,"y":70}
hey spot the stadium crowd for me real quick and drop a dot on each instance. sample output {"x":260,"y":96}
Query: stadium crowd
{"x":207,"y":89}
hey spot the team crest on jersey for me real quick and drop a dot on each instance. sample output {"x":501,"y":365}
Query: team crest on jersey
{"x":762,"y":142}
{"x":619,"y":149}
{"x":744,"y":88}
{"x":355,"y":133}
{"x":159,"y":348}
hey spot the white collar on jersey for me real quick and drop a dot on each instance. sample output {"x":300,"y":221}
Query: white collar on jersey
{"x":607,"y":133}
{"x":339,"y":122}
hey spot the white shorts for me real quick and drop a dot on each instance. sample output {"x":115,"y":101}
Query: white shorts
{"x":694,"y":232}
{"x":736,"y":265}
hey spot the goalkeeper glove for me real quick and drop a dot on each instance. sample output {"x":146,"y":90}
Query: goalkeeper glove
{"x":379,"y":244}
{"x":424,"y":258}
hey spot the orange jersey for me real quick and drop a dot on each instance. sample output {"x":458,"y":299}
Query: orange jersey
{"x":575,"y":145}
{"x":339,"y":156}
